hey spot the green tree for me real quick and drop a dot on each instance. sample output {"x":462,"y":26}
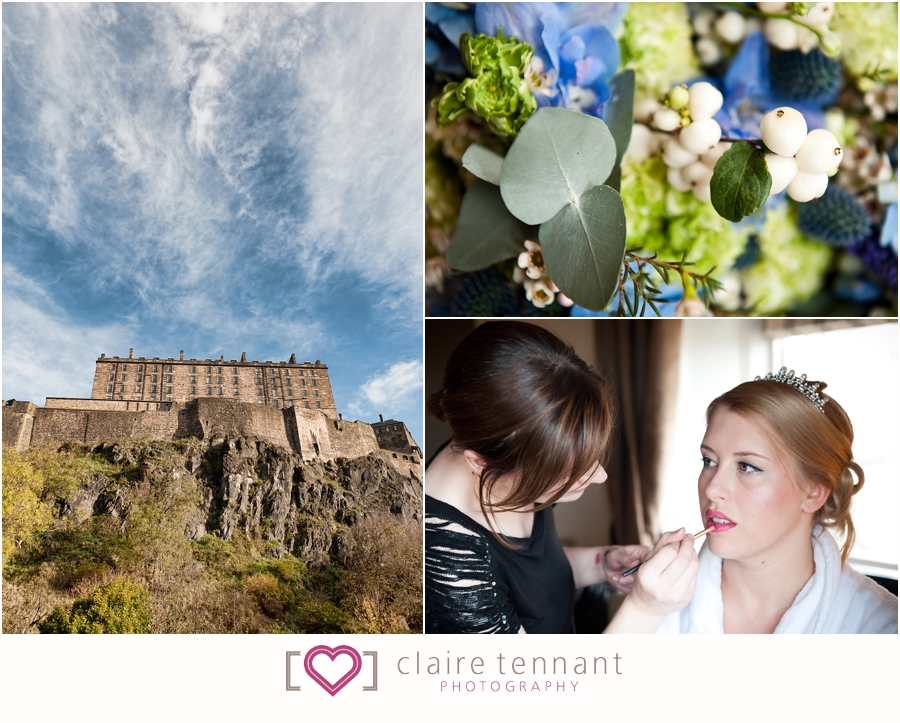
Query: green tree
{"x":118,"y":607}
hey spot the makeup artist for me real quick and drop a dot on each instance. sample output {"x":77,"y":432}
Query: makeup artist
{"x":530,"y":423}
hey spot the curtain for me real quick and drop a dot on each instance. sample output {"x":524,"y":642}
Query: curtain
{"x":639,"y":357}
{"x":777,"y":328}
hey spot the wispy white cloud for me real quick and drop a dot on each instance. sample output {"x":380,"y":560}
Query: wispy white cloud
{"x":393,"y":389}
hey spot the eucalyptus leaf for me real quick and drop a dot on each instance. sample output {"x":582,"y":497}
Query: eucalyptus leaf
{"x":483,"y":162}
{"x":619,"y":111}
{"x":583,"y":247}
{"x":558,"y":155}
{"x":741,"y":182}
{"x":485,"y":232}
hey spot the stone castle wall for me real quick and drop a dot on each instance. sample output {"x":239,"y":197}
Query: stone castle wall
{"x":310,"y":433}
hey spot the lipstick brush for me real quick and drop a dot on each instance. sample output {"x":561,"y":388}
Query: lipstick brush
{"x":696,"y":537}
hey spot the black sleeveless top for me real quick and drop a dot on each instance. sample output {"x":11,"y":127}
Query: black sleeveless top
{"x":473,"y":584}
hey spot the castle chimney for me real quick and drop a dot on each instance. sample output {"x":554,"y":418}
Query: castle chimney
{"x":293,"y":359}
{"x":102,"y":355}
{"x":131,"y":353}
{"x":340,"y":416}
{"x":381,"y":417}
{"x":243,"y":356}
{"x":222,"y":357}
{"x":181,"y":355}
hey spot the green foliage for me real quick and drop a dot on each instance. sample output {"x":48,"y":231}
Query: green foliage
{"x":483,"y":162}
{"x":619,"y":116}
{"x":497,"y":90}
{"x":119,"y":607}
{"x":741,"y":182}
{"x":486,"y":232}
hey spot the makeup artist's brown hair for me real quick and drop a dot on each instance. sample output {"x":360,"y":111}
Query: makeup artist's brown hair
{"x":820,"y":444}
{"x":529,"y":406}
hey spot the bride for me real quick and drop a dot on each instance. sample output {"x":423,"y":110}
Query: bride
{"x":778,"y":476}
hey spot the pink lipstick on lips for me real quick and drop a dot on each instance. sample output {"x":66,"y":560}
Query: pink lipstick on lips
{"x":720,"y":521}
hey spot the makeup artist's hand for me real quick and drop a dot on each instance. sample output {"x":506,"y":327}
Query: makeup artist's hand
{"x":665,"y":583}
{"x":620,"y":558}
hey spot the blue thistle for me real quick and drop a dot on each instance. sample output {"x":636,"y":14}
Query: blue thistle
{"x":879,"y":260}
{"x":836,"y":218}
{"x":484,"y":293}
{"x":749,"y":256}
{"x":806,"y":78}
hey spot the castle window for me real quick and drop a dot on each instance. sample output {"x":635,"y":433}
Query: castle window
{"x":220,"y":391}
{"x":257,"y":372}
{"x":140,"y":367}
{"x":318,"y":405}
{"x":259,"y":382}
{"x":290,"y":392}
{"x":287,"y":372}
{"x":300,"y":372}
{"x":112,"y":367}
{"x":302,"y":382}
{"x":120,"y":397}
{"x":260,"y":402}
{"x":169,"y":378}
{"x":379,"y":439}
{"x":124,"y":367}
{"x":209,"y":391}
{"x":274,"y":392}
{"x":109,"y":396}
{"x":259,"y":392}
{"x":168,"y":399}
{"x":314,"y":383}
{"x":236,"y":392}
{"x":109,"y":387}
{"x":306,"y":404}
{"x":154,"y":378}
{"x":303,"y":392}
{"x":234,"y":370}
{"x":219,"y":380}
{"x":209,"y":380}
{"x":140,"y":377}
{"x":156,"y":367}
{"x":193,"y":390}
{"x":112,"y":377}
{"x":288,"y":382}
{"x":121,"y":387}
{"x":193,"y":370}
{"x":312,"y":372}
{"x":137,"y":388}
{"x":153,"y":389}
{"x":315,"y":392}
{"x":169,"y":368}
{"x":209,"y":370}
{"x":235,"y":379}
{"x":275,"y":403}
{"x":122,"y":377}
{"x":290,"y":404}
{"x":272,"y":372}
{"x":169,"y":391}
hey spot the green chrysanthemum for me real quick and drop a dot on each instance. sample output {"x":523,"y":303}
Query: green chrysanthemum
{"x":656,"y":42}
{"x":868,"y":34}
{"x":497,"y":90}
{"x":791,"y":267}
{"x":671,"y":222}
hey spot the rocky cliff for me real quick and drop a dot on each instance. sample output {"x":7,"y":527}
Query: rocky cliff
{"x":266,"y":491}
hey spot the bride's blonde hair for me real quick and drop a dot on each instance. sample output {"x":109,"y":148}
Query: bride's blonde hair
{"x":820,"y":444}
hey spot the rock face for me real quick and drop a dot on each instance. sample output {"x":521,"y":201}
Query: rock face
{"x":268,"y":492}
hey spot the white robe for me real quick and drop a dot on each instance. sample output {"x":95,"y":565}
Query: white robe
{"x":836,"y":599}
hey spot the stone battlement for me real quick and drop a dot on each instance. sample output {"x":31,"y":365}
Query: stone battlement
{"x":310,"y":433}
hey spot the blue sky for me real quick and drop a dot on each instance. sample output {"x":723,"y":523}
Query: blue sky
{"x":218,"y":179}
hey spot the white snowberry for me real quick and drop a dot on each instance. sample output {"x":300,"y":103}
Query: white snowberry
{"x":782,"y":169}
{"x":783,"y":130}
{"x":676,"y":180}
{"x":708,"y":51}
{"x":712,"y":157}
{"x":818,"y":15}
{"x":772,"y":7}
{"x":701,"y":136}
{"x":807,"y":186}
{"x":697,"y":174}
{"x":667,"y":119}
{"x":705,"y":101}
{"x":703,"y":192}
{"x":820,"y":152}
{"x":642,"y":145}
{"x":676,"y":156}
{"x":782,"y":33}
{"x":703,"y":22}
{"x":731,"y":27}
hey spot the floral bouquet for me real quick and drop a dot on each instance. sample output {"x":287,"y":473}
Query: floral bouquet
{"x":593,"y":159}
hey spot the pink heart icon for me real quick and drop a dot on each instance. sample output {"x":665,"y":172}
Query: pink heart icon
{"x":332,"y":653}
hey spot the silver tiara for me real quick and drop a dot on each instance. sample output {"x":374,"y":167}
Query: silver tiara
{"x":810,"y":391}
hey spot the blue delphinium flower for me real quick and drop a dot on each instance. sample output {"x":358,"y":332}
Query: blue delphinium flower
{"x":443,"y":26}
{"x":575,"y":52}
{"x":889,"y":229}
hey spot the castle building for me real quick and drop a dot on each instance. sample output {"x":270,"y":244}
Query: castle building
{"x":144,"y":384}
{"x":393,"y":435}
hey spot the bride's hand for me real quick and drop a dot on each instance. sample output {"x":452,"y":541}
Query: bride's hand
{"x":620,"y":558}
{"x":665,"y":583}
